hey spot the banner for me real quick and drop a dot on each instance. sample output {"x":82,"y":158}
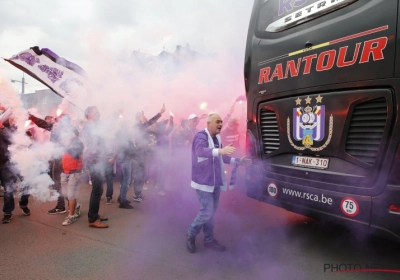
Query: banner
{"x":60,"y":75}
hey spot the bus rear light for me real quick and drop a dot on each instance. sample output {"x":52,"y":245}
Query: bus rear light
{"x":394,"y":208}
{"x":252,"y":179}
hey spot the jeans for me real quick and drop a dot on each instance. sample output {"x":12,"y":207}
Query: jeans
{"x":162,"y":161}
{"x":9,"y":178}
{"x":138,"y":175}
{"x":126,"y":176}
{"x":110,"y":179}
{"x":180,"y":177}
{"x":97,"y":177}
{"x":205,"y":218}
{"x":56,"y":170}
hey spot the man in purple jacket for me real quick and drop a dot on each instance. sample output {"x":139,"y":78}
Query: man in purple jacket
{"x":208,"y":178}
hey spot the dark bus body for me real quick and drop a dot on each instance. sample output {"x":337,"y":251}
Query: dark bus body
{"x":322,"y":80}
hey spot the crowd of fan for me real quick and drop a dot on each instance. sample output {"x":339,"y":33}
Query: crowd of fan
{"x":140,"y":151}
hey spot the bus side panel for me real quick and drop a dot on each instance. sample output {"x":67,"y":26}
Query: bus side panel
{"x":397,"y":64}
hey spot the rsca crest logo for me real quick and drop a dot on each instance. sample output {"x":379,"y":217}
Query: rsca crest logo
{"x":309,"y":124}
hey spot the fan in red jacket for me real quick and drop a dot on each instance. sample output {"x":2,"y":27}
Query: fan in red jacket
{"x":72,"y":165}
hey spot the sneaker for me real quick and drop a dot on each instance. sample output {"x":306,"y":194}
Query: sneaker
{"x":191,"y":243}
{"x":69,"y":220}
{"x":214,"y":245}
{"x":77,"y":210}
{"x":56,"y":211}
{"x":125,"y":206}
{"x":26,"y":211}
{"x":139,"y":198}
{"x":6,"y":219}
{"x":162,"y":193}
{"x":108,"y":200}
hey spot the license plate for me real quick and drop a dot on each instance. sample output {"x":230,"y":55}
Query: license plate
{"x":312,"y":162}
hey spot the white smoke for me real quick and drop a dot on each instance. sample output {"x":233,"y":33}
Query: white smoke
{"x":30,"y":159}
{"x":120,"y":86}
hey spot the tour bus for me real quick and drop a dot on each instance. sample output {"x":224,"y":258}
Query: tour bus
{"x":322,"y":79}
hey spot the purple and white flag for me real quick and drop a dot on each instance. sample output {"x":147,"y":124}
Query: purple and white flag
{"x":59,"y":74}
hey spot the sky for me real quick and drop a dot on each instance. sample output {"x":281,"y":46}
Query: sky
{"x":73,"y":28}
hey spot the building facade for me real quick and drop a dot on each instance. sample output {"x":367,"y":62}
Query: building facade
{"x":45,"y":101}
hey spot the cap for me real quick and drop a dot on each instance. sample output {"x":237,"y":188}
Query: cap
{"x":192,"y":116}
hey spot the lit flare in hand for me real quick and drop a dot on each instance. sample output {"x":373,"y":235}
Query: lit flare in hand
{"x":203,"y":106}
{"x":59,"y":112}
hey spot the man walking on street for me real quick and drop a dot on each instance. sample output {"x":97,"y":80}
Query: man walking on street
{"x":208,"y":177}
{"x":141,"y":143}
{"x":94,"y":159}
{"x":9,"y":174}
{"x":58,"y":130}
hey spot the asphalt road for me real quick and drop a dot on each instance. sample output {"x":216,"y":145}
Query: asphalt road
{"x":148,"y":242}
